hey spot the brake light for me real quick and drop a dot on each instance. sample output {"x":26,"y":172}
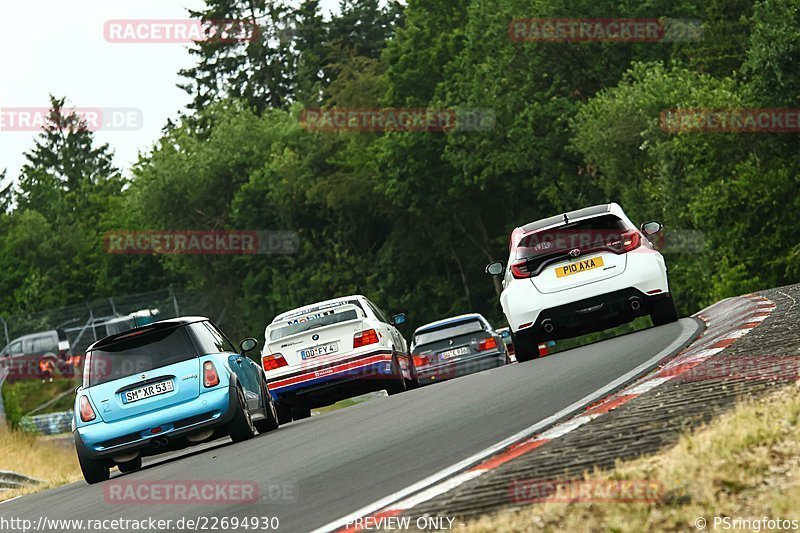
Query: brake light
{"x":520,"y":270}
{"x":627,"y":241}
{"x":363,"y":338}
{"x":210,"y":376}
{"x":87,"y":413}
{"x":420,"y":360}
{"x":271,"y":362}
{"x":487,"y":344}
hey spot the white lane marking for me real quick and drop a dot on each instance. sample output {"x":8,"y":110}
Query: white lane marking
{"x":650,"y":384}
{"x":568,"y":411}
{"x":437,"y":490}
{"x":565,"y":427}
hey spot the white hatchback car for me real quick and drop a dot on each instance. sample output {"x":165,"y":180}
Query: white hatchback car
{"x":325,"y":352}
{"x":580,"y":272}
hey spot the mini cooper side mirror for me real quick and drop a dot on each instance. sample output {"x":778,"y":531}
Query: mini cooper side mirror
{"x":650,"y":228}
{"x":494,"y":269}
{"x":247,"y":345}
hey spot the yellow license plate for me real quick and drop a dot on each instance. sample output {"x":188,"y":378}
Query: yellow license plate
{"x":579,"y":266}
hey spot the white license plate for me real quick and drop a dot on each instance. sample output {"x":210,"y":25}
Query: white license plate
{"x":148,"y":391}
{"x":455,"y":352}
{"x":322,"y":349}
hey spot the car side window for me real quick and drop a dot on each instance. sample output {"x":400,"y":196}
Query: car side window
{"x":209,"y":340}
{"x":15,"y":348}
{"x":44,"y":344}
{"x":378,"y":313}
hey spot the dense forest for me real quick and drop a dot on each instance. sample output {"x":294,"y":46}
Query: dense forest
{"x":410,"y":218}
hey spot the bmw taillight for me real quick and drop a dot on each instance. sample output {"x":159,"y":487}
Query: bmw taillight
{"x":487,"y":344}
{"x":420,"y":360}
{"x":627,"y":242}
{"x":273,"y":361}
{"x":210,"y":376}
{"x":521,"y":270}
{"x":87,"y":413}
{"x":363,"y":338}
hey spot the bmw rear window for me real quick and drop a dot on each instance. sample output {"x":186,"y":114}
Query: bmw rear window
{"x":139,"y":351}
{"x":326,"y":318}
{"x":448,"y":332}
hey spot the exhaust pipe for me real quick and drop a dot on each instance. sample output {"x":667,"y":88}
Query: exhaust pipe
{"x":547,"y":326}
{"x":635,"y":303}
{"x":163,"y":442}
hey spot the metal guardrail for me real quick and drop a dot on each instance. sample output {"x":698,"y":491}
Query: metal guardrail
{"x":12,"y":480}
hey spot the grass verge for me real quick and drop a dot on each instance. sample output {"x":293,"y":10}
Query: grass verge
{"x":37,"y":457}
{"x":744,"y":464}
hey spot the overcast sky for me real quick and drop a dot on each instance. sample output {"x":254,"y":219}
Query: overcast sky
{"x":59,"y":48}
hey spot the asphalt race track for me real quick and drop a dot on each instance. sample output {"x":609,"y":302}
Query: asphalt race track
{"x":316,"y":470}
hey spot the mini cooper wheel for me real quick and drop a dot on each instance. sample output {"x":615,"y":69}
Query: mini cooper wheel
{"x":270,"y":423}
{"x":241,"y":427}
{"x":93,"y":471}
{"x":130,"y":466}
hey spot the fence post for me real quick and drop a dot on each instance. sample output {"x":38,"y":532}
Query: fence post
{"x":3,"y":375}
{"x":5,"y":330}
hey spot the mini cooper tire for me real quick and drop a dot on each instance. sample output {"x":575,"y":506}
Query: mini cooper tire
{"x":271,"y":421}
{"x":241,"y":427}
{"x":130,"y":466}
{"x":93,"y":471}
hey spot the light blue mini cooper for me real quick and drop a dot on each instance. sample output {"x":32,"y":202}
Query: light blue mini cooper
{"x":162,"y":387}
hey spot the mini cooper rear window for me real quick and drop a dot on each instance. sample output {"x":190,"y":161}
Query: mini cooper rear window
{"x":137,"y":352}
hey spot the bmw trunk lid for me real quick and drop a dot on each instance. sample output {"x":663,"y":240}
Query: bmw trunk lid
{"x":315,"y":334}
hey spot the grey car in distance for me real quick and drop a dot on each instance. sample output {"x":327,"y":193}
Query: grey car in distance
{"x":455,"y":347}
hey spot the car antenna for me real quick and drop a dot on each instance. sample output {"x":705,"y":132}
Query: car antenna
{"x":566,"y":219}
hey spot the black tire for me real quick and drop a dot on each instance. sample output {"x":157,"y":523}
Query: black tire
{"x":526,"y":347}
{"x":300,"y":412}
{"x":663,"y":311}
{"x":397,"y":385}
{"x":130,"y":466}
{"x":93,"y":471}
{"x":270,"y":423}
{"x":241,"y":427}
{"x":284,"y":413}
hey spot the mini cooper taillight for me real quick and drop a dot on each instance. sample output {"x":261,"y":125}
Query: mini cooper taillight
{"x":87,"y":413}
{"x":210,"y":376}
{"x":273,"y":361}
{"x":363,"y":338}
